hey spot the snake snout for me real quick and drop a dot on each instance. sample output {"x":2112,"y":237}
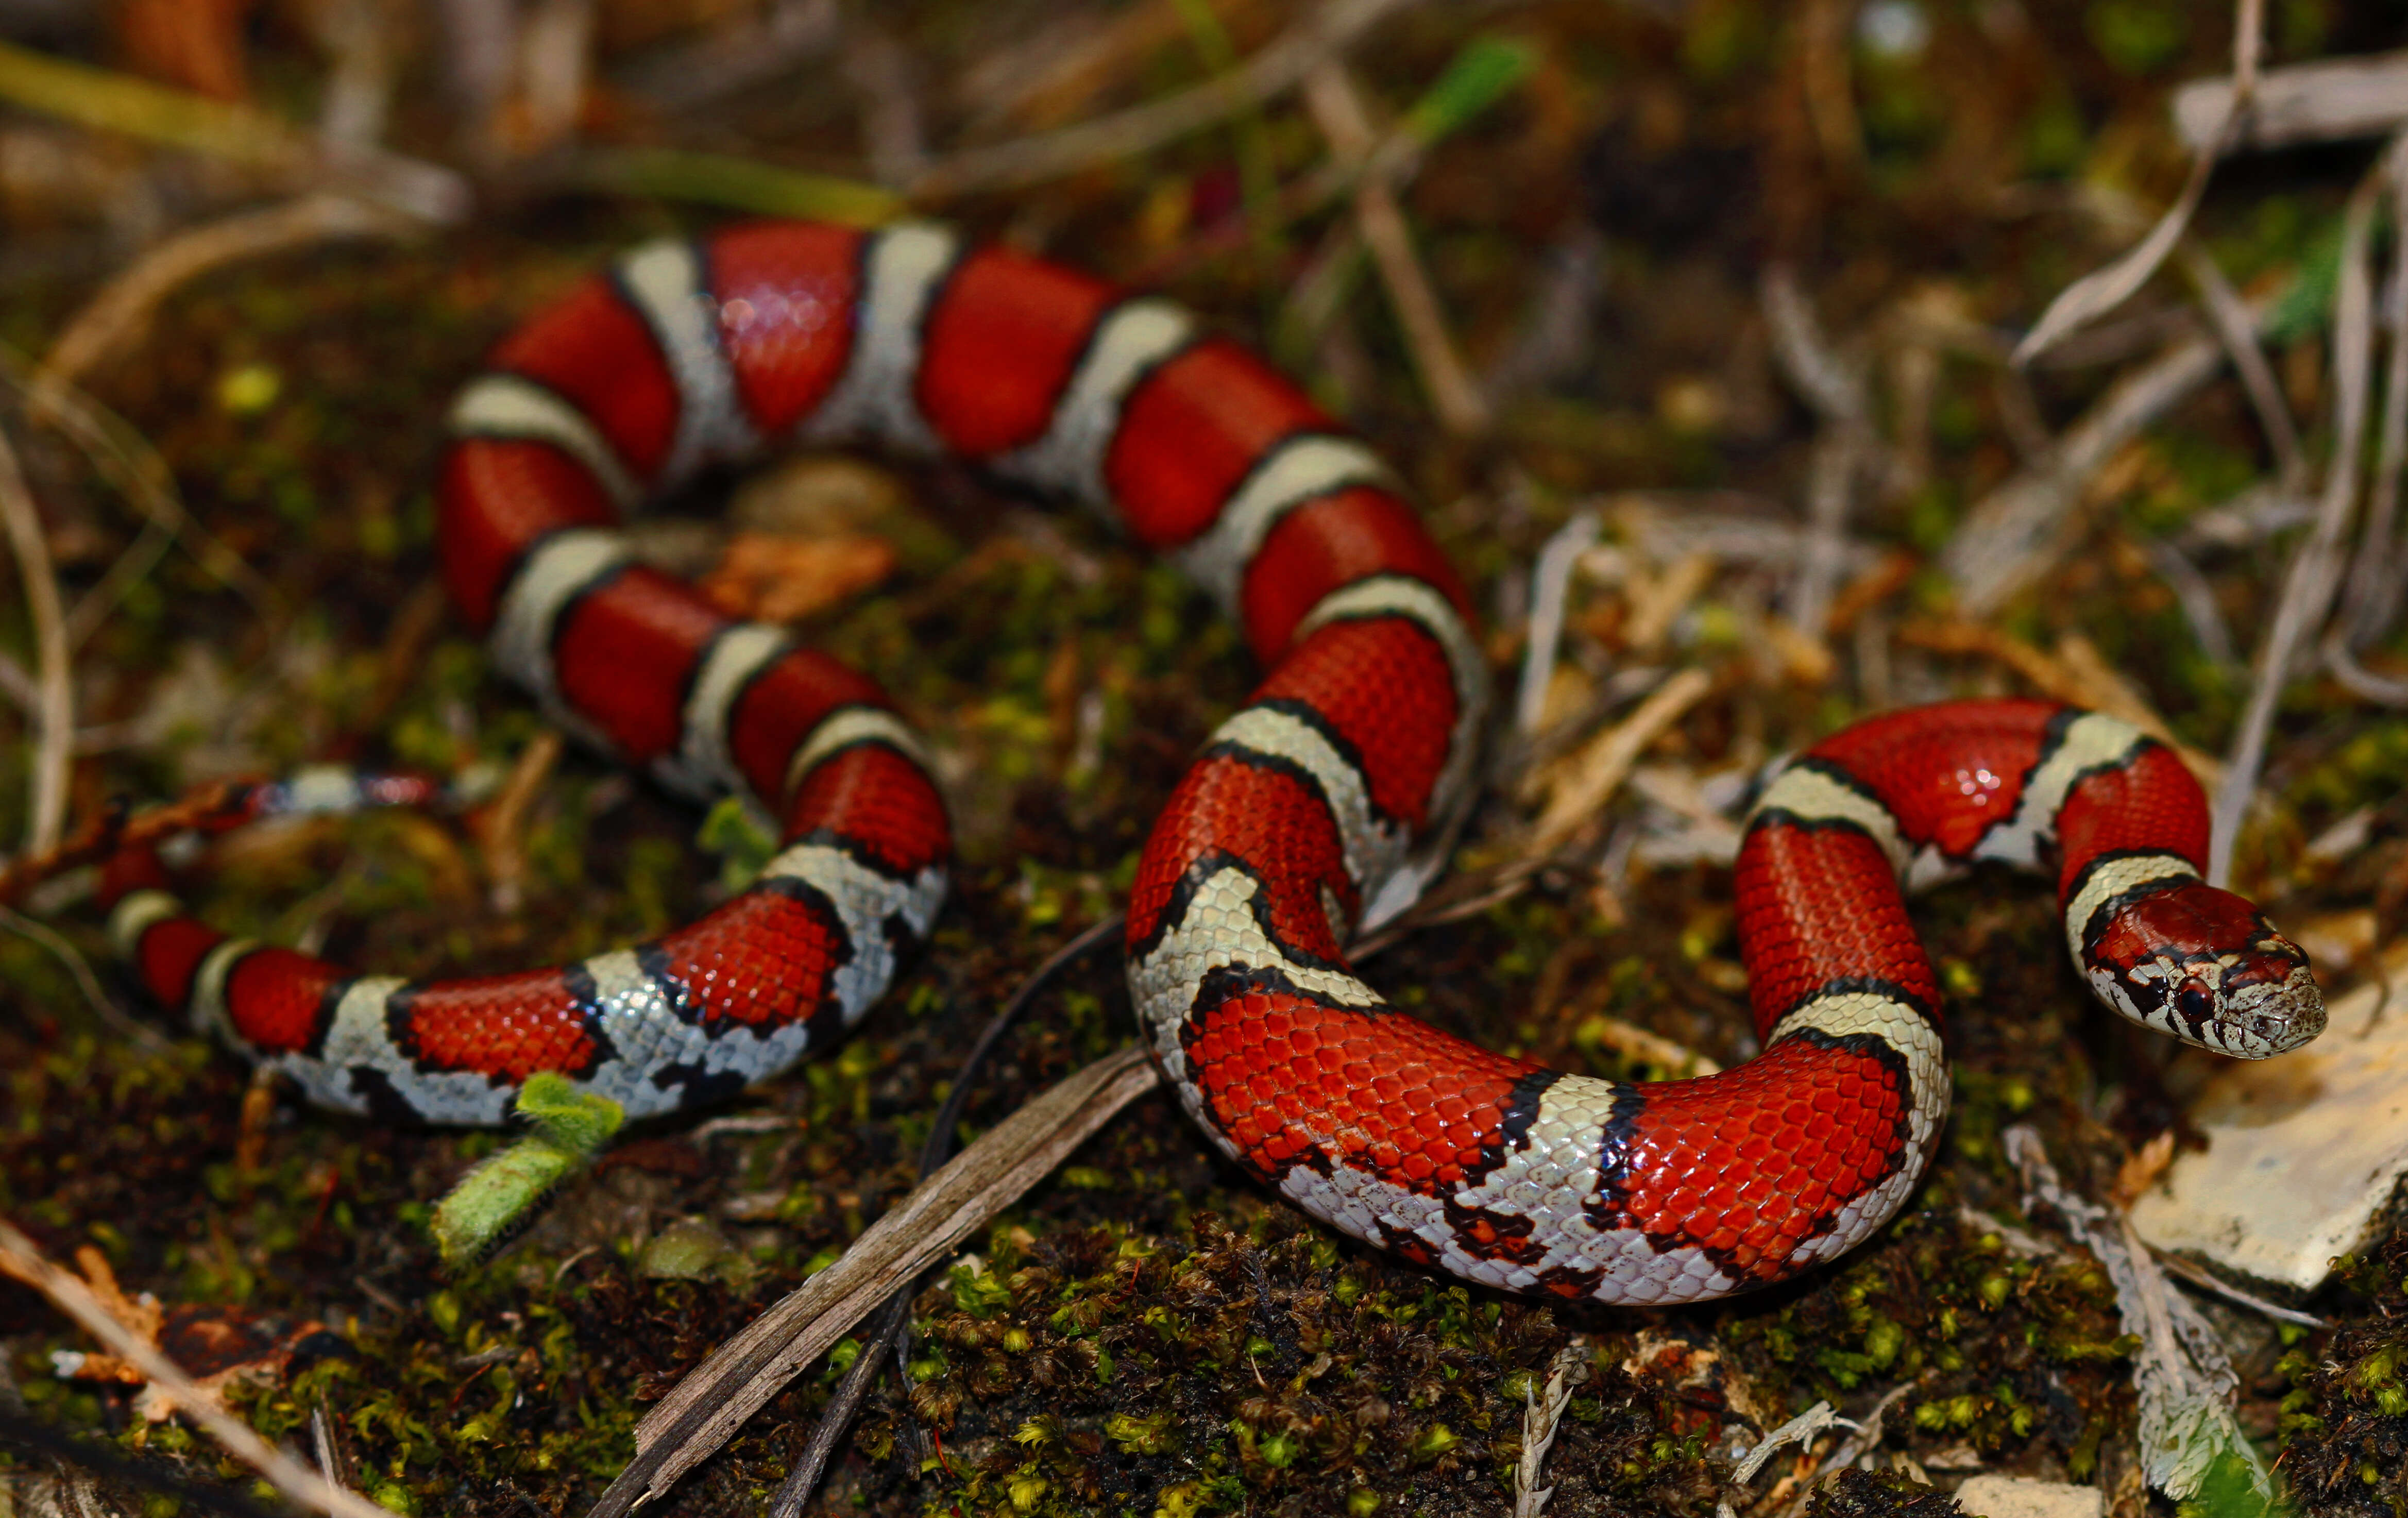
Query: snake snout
{"x":2272,"y":1003}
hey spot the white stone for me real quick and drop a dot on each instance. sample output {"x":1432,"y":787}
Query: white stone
{"x":2304,"y":1150}
{"x":2020,"y":1496}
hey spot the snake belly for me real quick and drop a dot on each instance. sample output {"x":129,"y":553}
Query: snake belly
{"x":1322,"y":806}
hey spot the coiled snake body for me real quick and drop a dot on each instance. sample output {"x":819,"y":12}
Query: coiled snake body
{"x":1325,"y":802}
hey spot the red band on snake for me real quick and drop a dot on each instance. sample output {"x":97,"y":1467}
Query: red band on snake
{"x":1322,"y":806}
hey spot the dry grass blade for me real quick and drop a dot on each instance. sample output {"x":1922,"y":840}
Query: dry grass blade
{"x":1279,"y":66}
{"x":79,"y":970}
{"x":2328,"y":100}
{"x":2314,"y":572}
{"x":2197,"y":599}
{"x":2103,"y":290}
{"x":2077,"y":674}
{"x":1337,"y":109}
{"x":2372,"y":598}
{"x":107,"y":101}
{"x":1542,"y":1413}
{"x":708,"y":1405}
{"x":53,"y":689}
{"x":19,"y":1258}
{"x":1842,"y":450}
{"x":128,"y":462}
{"x":118,"y":316}
{"x":1593,"y":774}
{"x":1551,"y":580}
{"x":2011,"y":534}
{"x":358,"y":36}
{"x":1828,"y":382}
{"x":2207,"y":1281}
{"x":2230,"y":314}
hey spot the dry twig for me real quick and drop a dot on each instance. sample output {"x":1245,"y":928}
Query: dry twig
{"x":2076,"y":673}
{"x":1592,"y":775}
{"x":501,"y":828}
{"x":707,"y":1408}
{"x":2012,"y":535}
{"x":19,"y":1258}
{"x":2314,"y":572}
{"x":46,"y":806}
{"x":2325,"y":101}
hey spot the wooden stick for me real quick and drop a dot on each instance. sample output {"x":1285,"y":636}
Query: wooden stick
{"x":18,"y":1257}
{"x":706,"y":1409}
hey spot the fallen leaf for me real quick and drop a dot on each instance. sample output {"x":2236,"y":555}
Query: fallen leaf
{"x":765,"y":577}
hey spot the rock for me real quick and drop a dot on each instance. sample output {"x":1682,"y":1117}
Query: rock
{"x":691,"y":1250}
{"x":2020,"y":1496}
{"x":2304,"y":1150}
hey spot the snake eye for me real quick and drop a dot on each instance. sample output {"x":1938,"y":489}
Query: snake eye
{"x":2194,"y":1001}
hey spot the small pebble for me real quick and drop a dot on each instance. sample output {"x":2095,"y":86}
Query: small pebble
{"x":2020,"y":1496}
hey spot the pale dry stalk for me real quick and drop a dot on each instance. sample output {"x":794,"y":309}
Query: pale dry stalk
{"x":53,"y":683}
{"x":2315,"y":568}
{"x":1337,"y":109}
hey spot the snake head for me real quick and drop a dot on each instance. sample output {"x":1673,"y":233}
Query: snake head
{"x":2204,"y":966}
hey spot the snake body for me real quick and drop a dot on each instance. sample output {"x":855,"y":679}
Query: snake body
{"x":1322,"y":805}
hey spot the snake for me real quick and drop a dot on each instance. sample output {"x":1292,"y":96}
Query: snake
{"x":1321,"y":807}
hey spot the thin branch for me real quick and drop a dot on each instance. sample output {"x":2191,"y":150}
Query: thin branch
{"x":707,"y":1408}
{"x":894,"y":1324}
{"x":18,"y":1257}
{"x":46,"y":806}
{"x":1278,"y":67}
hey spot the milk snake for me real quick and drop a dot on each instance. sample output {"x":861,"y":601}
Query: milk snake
{"x":1324,"y":804}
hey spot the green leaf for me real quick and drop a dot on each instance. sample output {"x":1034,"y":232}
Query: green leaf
{"x":1488,"y":70}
